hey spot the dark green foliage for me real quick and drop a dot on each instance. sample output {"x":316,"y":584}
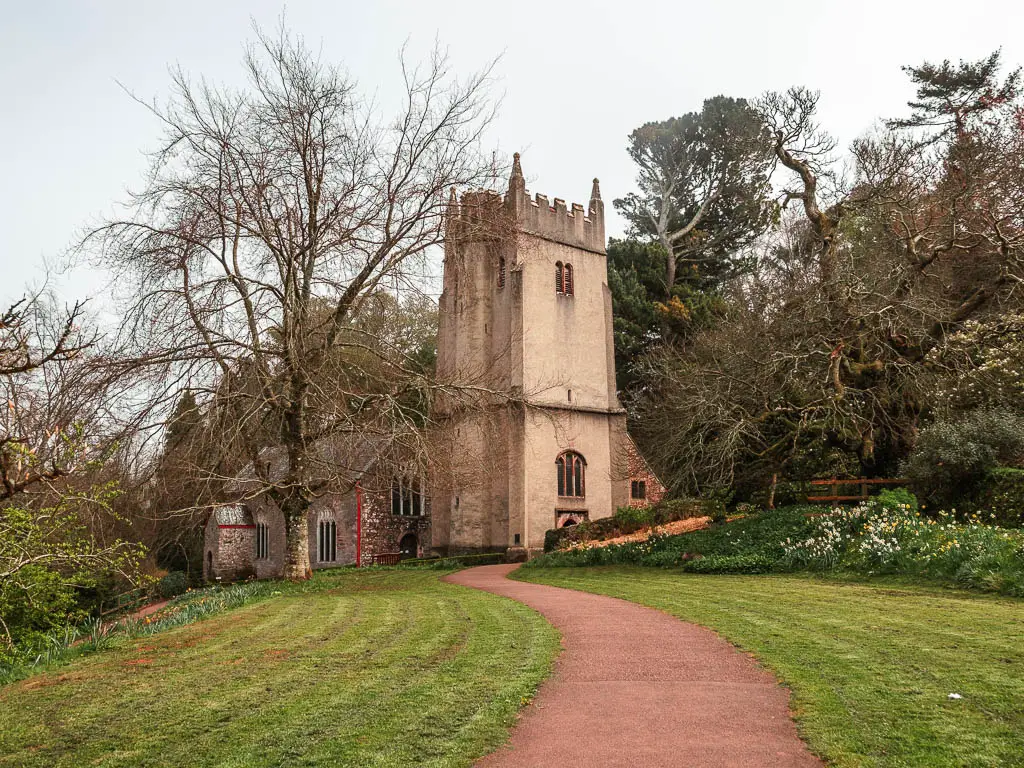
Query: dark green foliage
{"x":39,"y":602}
{"x":716,"y":163}
{"x":761,"y":533}
{"x":949,"y":96}
{"x":455,"y":561}
{"x":632,"y":519}
{"x":173,"y":584}
{"x":1000,"y":500}
{"x":874,"y":539}
{"x":896,"y":498}
{"x":58,"y":571}
{"x":184,"y":423}
{"x":667,"y":510}
{"x":643,"y":316}
{"x":552,"y":538}
{"x":590,"y":530}
{"x":953,"y":455}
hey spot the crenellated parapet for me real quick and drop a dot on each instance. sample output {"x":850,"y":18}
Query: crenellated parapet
{"x":485,"y":214}
{"x":573,"y":224}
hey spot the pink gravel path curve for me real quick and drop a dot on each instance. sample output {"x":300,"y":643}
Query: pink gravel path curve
{"x":637,"y":687}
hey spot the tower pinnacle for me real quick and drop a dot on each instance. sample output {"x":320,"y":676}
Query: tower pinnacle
{"x":516,"y":186}
{"x":596,"y":204}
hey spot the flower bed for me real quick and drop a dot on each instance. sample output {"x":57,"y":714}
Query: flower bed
{"x":874,"y":537}
{"x":884,"y":535}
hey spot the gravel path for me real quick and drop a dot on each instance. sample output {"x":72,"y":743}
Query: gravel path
{"x":637,"y":687}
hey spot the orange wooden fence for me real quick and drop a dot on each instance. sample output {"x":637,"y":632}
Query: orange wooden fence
{"x":863,"y":483}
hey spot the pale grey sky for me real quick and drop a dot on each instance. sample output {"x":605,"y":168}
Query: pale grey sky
{"x":577,"y":77}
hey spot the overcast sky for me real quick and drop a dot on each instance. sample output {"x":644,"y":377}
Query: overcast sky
{"x":577,"y":77}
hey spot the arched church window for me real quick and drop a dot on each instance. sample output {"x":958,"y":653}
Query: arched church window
{"x":407,"y":497}
{"x":262,"y":541}
{"x":501,"y":272}
{"x":327,"y":539}
{"x":571,"y":470}
{"x":567,"y":280}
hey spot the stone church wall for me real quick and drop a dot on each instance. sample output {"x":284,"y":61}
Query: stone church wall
{"x":232,"y":548}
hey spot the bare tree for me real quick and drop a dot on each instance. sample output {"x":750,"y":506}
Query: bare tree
{"x":269,"y":214}
{"x":830,"y":345}
{"x":58,"y":530}
{"x":47,"y":387}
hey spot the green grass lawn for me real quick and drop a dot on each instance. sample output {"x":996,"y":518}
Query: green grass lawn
{"x":870,"y":664}
{"x":372,"y":668}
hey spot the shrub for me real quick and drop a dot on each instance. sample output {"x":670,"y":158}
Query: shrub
{"x":552,"y":537}
{"x":455,"y":561}
{"x":38,"y":604}
{"x":1000,"y":499}
{"x":560,"y":538}
{"x":631,"y":519}
{"x":897,"y":498}
{"x":173,"y":584}
{"x":790,"y":492}
{"x":670,"y":510}
{"x":952,"y":457}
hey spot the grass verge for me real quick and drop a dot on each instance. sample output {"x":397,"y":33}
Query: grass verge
{"x":870,"y":665}
{"x":372,"y":668}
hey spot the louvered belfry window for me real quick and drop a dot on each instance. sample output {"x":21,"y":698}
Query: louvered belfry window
{"x":563,"y":279}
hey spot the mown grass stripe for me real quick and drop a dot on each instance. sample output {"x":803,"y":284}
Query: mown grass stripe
{"x":377,"y":669}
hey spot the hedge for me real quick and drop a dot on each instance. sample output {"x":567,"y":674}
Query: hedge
{"x":487,"y":558}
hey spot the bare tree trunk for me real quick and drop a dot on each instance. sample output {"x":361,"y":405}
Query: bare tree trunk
{"x":296,"y":565}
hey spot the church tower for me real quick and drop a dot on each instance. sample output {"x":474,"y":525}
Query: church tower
{"x":531,"y":430}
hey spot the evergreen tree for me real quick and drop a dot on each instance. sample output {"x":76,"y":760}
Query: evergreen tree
{"x":643,"y":319}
